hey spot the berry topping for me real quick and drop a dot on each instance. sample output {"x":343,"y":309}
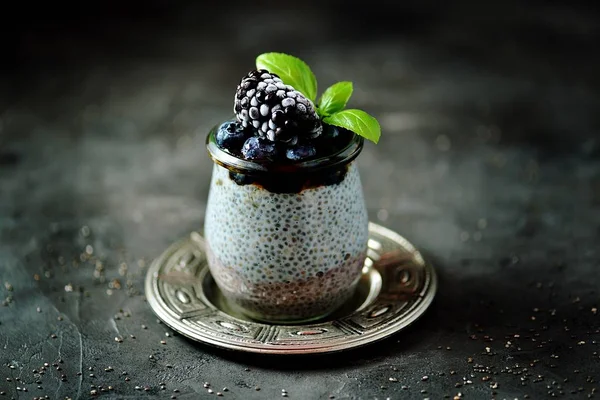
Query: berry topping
{"x":230,"y":136}
{"x":256,"y":148}
{"x":278,"y":118}
{"x":275,"y":111}
{"x":301,"y":152}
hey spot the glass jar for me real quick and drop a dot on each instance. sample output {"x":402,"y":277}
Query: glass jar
{"x":286,"y":242}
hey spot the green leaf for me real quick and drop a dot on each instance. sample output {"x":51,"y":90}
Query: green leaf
{"x":292,"y":71}
{"x":335,"y":98}
{"x":358,"y":122}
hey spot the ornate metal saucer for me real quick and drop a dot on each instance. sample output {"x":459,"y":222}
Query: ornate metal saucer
{"x":396,"y":288}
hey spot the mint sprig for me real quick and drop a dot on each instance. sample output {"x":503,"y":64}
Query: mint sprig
{"x":334,"y":99}
{"x":358,"y":122}
{"x":331,"y":105}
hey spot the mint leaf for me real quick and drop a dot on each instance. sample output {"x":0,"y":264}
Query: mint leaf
{"x":358,"y":122}
{"x":292,"y":71}
{"x":335,"y":98}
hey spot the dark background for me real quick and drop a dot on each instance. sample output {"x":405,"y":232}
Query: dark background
{"x":488,"y":162}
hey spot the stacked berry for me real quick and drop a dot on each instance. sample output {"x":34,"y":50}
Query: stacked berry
{"x":273,"y":121}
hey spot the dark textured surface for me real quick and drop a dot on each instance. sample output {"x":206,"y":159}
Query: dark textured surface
{"x":488,"y":162}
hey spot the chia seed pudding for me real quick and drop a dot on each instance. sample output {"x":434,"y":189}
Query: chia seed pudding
{"x":286,"y":256}
{"x":286,"y":225}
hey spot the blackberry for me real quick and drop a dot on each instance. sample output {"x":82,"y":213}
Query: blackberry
{"x":276,"y":111}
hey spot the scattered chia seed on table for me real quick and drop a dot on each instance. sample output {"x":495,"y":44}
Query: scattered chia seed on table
{"x":85,"y":210}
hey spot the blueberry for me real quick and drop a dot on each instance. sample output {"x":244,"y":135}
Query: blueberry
{"x":332,"y":140}
{"x":240,"y":179}
{"x":301,"y":152}
{"x":230,"y":136}
{"x":330,"y":132}
{"x":256,"y":148}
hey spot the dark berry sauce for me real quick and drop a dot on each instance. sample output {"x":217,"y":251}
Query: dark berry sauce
{"x":278,"y":184}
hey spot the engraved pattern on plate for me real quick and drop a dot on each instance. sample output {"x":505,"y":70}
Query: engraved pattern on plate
{"x":309,"y":334}
{"x":215,"y":325}
{"x":176,"y":282}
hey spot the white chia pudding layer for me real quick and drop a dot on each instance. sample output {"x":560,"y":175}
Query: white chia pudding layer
{"x":286,"y":256}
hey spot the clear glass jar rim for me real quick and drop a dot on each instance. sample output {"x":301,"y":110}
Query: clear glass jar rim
{"x":221,"y":157}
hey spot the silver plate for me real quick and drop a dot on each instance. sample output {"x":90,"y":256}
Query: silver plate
{"x":396,"y":288}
